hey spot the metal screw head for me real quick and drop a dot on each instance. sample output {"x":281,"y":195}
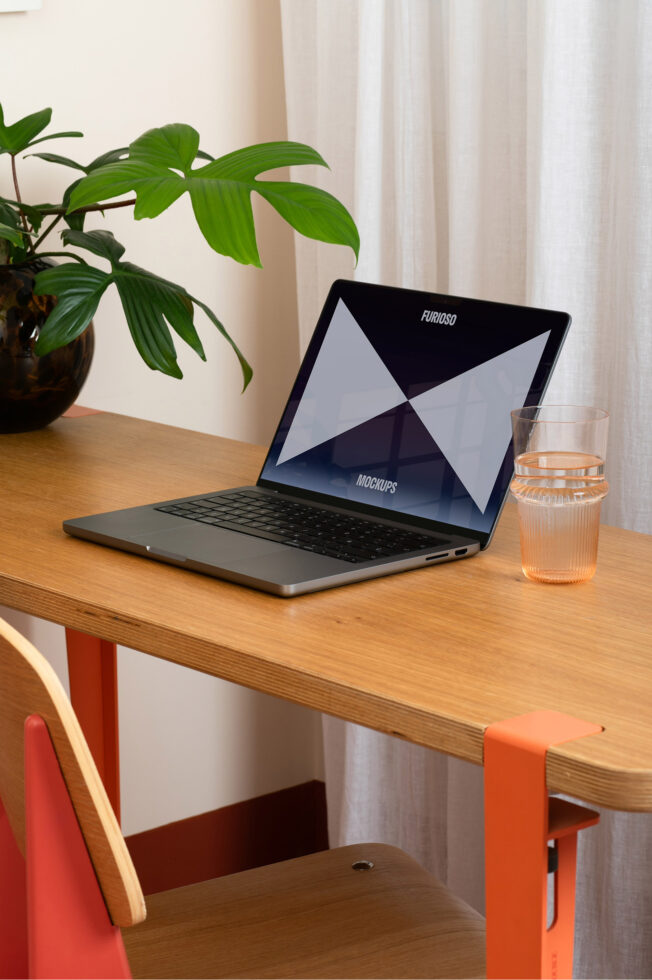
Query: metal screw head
{"x":362,"y":865}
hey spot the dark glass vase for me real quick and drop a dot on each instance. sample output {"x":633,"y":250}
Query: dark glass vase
{"x":34,"y":391}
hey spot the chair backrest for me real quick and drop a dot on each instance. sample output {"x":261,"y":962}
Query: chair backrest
{"x":29,"y":686}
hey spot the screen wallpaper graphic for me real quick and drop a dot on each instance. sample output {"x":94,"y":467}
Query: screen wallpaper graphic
{"x":397,"y":412}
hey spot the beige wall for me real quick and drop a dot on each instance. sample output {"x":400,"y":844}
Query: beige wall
{"x":112,"y":69}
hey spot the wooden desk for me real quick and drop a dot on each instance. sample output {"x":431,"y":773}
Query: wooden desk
{"x":432,"y":656}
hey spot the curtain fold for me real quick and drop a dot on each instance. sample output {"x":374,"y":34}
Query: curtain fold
{"x":500,"y":149}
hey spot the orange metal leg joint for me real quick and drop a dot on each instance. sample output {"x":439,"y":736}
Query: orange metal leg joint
{"x":520,"y":819}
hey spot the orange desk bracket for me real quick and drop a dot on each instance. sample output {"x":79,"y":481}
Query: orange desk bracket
{"x":520,"y":819}
{"x":93,"y":673}
{"x":70,"y":931}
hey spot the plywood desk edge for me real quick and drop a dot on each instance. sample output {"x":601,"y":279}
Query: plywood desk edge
{"x":619,"y":788}
{"x":569,"y":769}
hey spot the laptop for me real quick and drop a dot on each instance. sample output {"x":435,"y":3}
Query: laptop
{"x":393,"y":451}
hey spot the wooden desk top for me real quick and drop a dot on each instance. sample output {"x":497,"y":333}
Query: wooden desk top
{"x":432,"y":656}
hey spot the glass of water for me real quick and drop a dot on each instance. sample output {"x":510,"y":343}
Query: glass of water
{"x":559,"y":454}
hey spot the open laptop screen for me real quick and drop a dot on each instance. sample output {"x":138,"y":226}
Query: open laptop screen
{"x":403,"y":402}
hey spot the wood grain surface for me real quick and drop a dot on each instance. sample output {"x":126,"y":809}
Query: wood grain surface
{"x":432,"y":656}
{"x":28,"y":685}
{"x":314,"y":916}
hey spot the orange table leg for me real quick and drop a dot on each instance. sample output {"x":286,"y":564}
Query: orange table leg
{"x":70,"y":931}
{"x":93,"y":672}
{"x":520,"y":819}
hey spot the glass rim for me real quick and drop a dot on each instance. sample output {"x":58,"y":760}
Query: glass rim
{"x":536,"y":414}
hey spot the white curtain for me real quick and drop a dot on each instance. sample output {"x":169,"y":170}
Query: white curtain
{"x":500,"y":149}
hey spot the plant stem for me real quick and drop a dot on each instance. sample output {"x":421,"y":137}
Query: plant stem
{"x":44,"y":234}
{"x":46,"y":212}
{"x":17,"y":189}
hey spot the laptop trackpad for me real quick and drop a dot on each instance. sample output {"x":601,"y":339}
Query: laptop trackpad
{"x":211,"y":545}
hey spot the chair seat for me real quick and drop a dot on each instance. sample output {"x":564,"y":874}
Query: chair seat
{"x":313,"y":916}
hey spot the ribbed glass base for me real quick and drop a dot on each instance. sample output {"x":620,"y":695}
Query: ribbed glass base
{"x":559,"y":497}
{"x":559,"y":541}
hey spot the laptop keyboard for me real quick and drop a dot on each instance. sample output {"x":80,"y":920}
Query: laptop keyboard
{"x":324,"y":532}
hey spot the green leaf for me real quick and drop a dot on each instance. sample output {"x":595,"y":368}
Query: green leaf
{"x":64,"y":161}
{"x":150,"y":170}
{"x":169,"y":299}
{"x":147,"y":326}
{"x":78,"y":290}
{"x":111,"y":156}
{"x":11,"y":235}
{"x":146,"y":299}
{"x":53,"y":136}
{"x":100,"y":243}
{"x":9,"y":214}
{"x":174,"y":147}
{"x":156,"y":189}
{"x":17,"y":137}
{"x":13,"y":239}
{"x":220,"y":194}
{"x":247,"y":373}
{"x":312,"y":212}
{"x":149,"y":302}
{"x":100,"y":161}
{"x":245,"y":164}
{"x":225,"y":217}
{"x":75,"y":219}
{"x":33,"y":215}
{"x":158,"y":171}
{"x":64,"y":255}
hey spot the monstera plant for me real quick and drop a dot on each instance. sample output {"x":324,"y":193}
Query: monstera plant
{"x":155,"y":170}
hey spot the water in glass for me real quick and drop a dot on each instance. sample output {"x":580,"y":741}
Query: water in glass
{"x":559,"y":496}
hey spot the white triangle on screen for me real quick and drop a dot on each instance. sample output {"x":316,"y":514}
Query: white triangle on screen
{"x":348,"y":385}
{"x":468,"y":416}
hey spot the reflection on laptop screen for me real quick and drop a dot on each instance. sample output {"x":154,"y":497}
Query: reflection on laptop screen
{"x":403,"y":402}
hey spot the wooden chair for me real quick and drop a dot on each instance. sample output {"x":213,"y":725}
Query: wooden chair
{"x":367,"y":910}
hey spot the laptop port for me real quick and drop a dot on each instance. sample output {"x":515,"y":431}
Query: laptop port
{"x":461,"y":551}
